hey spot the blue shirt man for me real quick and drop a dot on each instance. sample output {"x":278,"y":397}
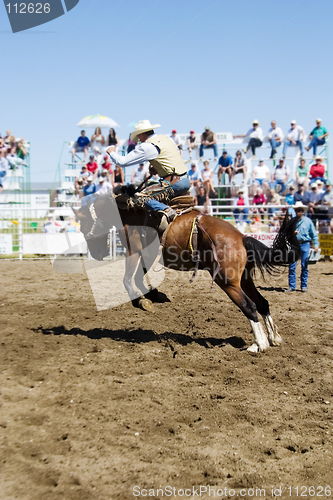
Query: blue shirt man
{"x":225,"y":165}
{"x":89,"y":188}
{"x":81,"y":146}
{"x":305,"y":233}
{"x":194,"y":174}
{"x":83,"y":141}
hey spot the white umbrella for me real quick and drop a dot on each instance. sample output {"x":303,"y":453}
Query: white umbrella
{"x":94,"y":121}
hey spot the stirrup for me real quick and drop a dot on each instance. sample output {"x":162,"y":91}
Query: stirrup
{"x":167,"y":216}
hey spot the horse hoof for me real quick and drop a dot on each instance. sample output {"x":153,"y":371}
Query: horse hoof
{"x":253,"y":349}
{"x":146,"y":305}
{"x":276,"y":341}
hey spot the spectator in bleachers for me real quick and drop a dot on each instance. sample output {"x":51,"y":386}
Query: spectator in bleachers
{"x":317,"y":137}
{"x":139,"y":174}
{"x":302,"y":194}
{"x":273,"y":199}
{"x":2,"y":142}
{"x":275,"y":136}
{"x":255,"y":136}
{"x":103,"y":186}
{"x":274,"y":223}
{"x":327,"y":201}
{"x":51,"y":226}
{"x":239,"y":166}
{"x":260,"y":175}
{"x":72,"y":226}
{"x":7,"y":138}
{"x":112,"y":139}
{"x":280,"y":176}
{"x":320,"y":186}
{"x":192,"y":142}
{"x":302,"y":173}
{"x":290,"y":198}
{"x":295,"y":137}
{"x":317,"y":170}
{"x":259,"y":199}
{"x":176,"y":139}
{"x":106,"y":167}
{"x":79,"y":186}
{"x":208,"y":141}
{"x":83,"y":173}
{"x":194,"y":176}
{"x":92,"y":166}
{"x":315,"y":200}
{"x":225,"y":166}
{"x":202,"y":200}
{"x":130,"y":144}
{"x":207,"y":178}
{"x":81,"y":146}
{"x":4,"y":166}
{"x":255,"y":225}
{"x":240,"y":211}
{"x":118,"y":176}
{"x":97,"y":143}
{"x":20,"y":150}
{"x":90,"y":187}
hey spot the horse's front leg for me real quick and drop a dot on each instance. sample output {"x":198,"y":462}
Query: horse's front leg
{"x":138,"y":300}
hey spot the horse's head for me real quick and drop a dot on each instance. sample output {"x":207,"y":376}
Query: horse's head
{"x":95,"y":233}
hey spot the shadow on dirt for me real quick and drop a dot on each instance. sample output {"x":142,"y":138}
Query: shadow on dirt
{"x":142,"y":336}
{"x":272,"y":289}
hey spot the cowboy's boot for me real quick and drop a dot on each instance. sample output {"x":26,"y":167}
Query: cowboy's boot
{"x":167,"y":216}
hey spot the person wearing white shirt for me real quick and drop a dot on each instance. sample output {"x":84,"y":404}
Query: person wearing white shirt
{"x":103,"y":187}
{"x":275,"y":135}
{"x":139,"y":174}
{"x":255,"y":136}
{"x":280,"y":176}
{"x":4,"y":165}
{"x":295,"y":137}
{"x":260,"y":175}
{"x":176,"y":139}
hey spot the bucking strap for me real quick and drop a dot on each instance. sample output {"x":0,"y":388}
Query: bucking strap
{"x":194,"y":248}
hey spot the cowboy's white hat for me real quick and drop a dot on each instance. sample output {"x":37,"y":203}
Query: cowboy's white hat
{"x":141,"y":127}
{"x":299,"y":204}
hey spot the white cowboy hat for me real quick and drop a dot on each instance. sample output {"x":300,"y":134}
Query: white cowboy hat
{"x":141,"y":127}
{"x":299,"y":204}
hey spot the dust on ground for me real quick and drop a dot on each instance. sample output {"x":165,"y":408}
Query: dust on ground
{"x":95,"y":403}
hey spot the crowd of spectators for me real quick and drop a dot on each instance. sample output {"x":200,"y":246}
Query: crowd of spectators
{"x":268,"y":189}
{"x":12,"y":154}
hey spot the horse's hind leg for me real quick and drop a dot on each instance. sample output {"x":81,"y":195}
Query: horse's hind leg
{"x":248,"y":307}
{"x":262,"y":307}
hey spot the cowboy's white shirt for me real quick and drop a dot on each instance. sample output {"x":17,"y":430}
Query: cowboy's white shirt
{"x":142,"y":152}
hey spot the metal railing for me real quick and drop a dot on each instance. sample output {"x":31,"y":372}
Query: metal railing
{"x":48,"y":233}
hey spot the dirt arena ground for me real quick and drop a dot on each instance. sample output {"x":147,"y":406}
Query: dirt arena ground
{"x":96,"y":403}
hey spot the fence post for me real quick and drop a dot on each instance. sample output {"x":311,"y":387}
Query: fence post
{"x":114,"y":243}
{"x":110,"y":242}
{"x":20,"y":236}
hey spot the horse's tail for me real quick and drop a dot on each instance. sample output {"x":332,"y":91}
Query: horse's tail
{"x":285,"y":250}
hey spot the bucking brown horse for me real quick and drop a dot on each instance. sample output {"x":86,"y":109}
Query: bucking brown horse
{"x":193,"y":241}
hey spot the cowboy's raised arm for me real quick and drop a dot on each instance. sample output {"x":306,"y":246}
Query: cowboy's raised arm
{"x":141,"y":153}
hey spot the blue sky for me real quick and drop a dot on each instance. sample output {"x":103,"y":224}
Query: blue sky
{"x":183,"y":64}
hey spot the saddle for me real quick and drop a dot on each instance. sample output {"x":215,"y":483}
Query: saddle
{"x":127,"y":202}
